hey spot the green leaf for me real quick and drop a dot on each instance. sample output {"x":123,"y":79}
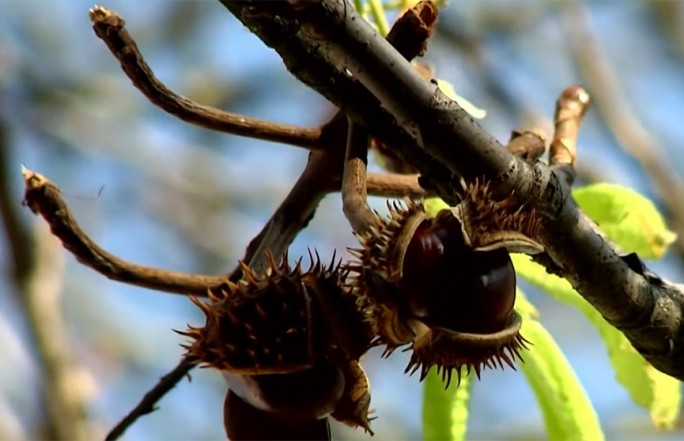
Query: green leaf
{"x":628,"y":218}
{"x":448,"y":90}
{"x":445,"y":411}
{"x":567,"y":412}
{"x":667,"y":399}
{"x":657,"y":392}
{"x":434,"y":206}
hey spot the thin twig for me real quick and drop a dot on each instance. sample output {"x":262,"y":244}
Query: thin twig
{"x":528,"y":145}
{"x":393,"y":185}
{"x":354,"y":193}
{"x":110,"y":28}
{"x":570,"y":108}
{"x":148,"y":403}
{"x":44,"y":198}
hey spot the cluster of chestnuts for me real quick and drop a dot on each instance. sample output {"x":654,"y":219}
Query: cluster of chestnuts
{"x":289,"y":341}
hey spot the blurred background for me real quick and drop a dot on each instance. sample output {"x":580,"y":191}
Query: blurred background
{"x":158,"y":191}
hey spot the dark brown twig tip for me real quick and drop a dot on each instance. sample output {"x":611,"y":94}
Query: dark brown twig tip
{"x":570,"y":108}
{"x":412,"y":30}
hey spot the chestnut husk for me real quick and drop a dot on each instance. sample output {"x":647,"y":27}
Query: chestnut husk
{"x":466,"y":246}
{"x":281,"y":353}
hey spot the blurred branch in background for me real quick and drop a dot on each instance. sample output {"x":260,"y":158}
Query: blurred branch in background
{"x":616,"y":110}
{"x":38,"y":275}
{"x":670,"y":15}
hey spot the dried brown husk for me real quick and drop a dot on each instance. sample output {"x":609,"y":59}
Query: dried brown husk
{"x":274,"y":323}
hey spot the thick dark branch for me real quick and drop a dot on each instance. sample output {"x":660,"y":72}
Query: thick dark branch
{"x":333,"y":50}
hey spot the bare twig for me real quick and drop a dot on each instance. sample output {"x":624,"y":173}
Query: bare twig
{"x":411,"y":31}
{"x":615,"y":109}
{"x":354,"y":193}
{"x":570,"y":108}
{"x":148,"y":402}
{"x":358,"y":71}
{"x":44,"y":198}
{"x":528,"y":145}
{"x":392,"y":185}
{"x":110,"y":28}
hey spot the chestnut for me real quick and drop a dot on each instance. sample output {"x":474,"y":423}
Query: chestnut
{"x":242,"y":421}
{"x":450,"y":285}
{"x":304,"y":395}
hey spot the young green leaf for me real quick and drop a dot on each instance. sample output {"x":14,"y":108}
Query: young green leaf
{"x":566,"y":409}
{"x":628,"y":218}
{"x":660,"y":394}
{"x":445,"y":411}
{"x":448,"y":90}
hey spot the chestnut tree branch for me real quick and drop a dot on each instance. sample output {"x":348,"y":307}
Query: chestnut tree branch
{"x":44,"y":198}
{"x":333,"y":50}
{"x":354,"y":191}
{"x":110,"y":28}
{"x":148,"y":403}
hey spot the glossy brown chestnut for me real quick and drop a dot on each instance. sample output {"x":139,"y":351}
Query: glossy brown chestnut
{"x":242,"y":421}
{"x":305,"y":395}
{"x":450,"y":285}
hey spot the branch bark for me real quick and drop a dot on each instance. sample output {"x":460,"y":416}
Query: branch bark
{"x":334,"y":51}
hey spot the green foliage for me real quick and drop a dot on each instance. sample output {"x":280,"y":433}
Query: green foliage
{"x":627,"y":218}
{"x":565,"y":407}
{"x":631,"y":221}
{"x":445,"y":411}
